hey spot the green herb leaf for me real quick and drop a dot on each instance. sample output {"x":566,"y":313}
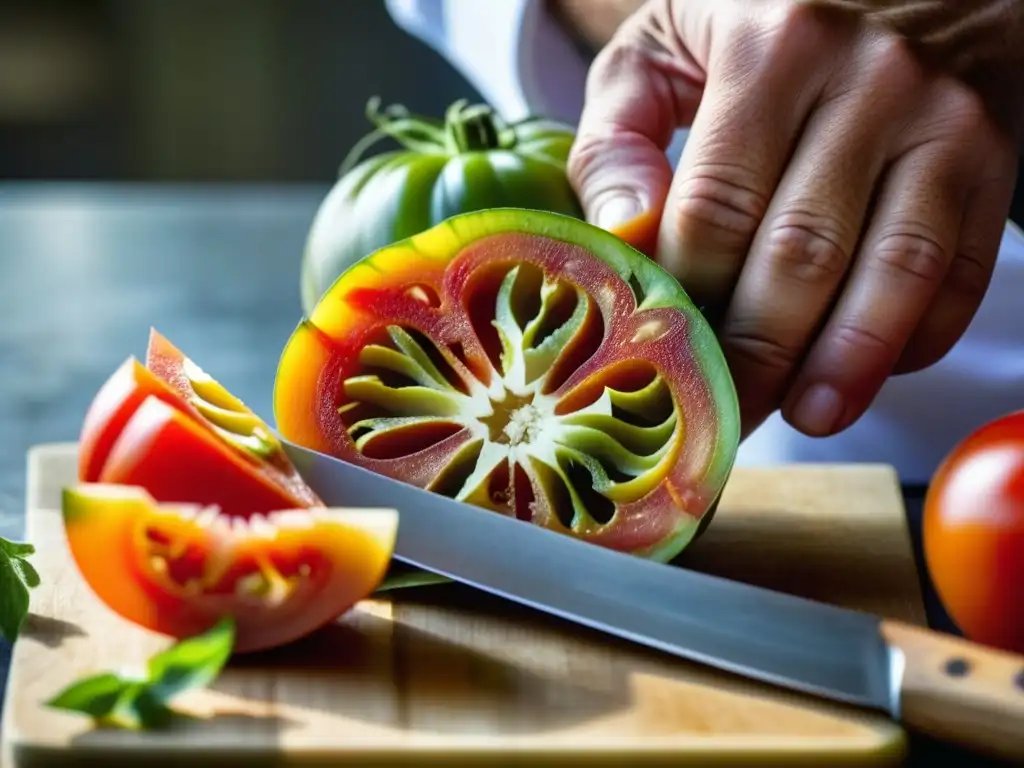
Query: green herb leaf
{"x":97,"y":696}
{"x":192,"y":663}
{"x":17,"y":577}
{"x":143,"y":704}
{"x":17,"y":548}
{"x":150,"y":710}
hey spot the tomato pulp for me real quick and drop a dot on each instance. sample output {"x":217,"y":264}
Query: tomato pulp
{"x":179,"y":568}
{"x":528,"y":363}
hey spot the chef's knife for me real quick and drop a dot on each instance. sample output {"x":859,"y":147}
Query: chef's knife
{"x":950,"y":688}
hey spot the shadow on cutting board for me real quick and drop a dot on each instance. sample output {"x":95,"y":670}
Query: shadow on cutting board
{"x":399,"y":675}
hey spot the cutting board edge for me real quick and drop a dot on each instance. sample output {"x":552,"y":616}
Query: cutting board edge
{"x":814,"y":752}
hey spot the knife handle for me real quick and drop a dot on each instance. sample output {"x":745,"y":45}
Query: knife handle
{"x":959,"y":691}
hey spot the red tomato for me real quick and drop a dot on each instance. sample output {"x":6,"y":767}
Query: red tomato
{"x":179,"y":568}
{"x":974,"y":533}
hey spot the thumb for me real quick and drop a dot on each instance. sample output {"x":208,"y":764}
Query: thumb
{"x":640,"y":89}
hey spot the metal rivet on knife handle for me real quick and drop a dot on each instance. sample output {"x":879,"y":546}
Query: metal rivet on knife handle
{"x":958,"y":667}
{"x":1019,"y":680}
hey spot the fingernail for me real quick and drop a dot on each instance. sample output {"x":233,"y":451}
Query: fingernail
{"x":818,"y":410}
{"x":617,"y":211}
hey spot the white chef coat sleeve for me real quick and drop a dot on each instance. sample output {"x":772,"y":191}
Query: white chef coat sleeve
{"x":512,"y":51}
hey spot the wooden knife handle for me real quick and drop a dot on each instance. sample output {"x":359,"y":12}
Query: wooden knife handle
{"x":959,"y":691}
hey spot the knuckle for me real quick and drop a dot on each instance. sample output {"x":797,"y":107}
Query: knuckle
{"x":915,"y":255}
{"x":807,"y":249}
{"x":722,"y":199}
{"x":586,"y":150}
{"x":753,"y":348}
{"x":963,"y":110}
{"x":794,"y":23}
{"x":968,"y":276}
{"x":855,"y":341}
{"x":890,"y":61}
{"x":611,"y":63}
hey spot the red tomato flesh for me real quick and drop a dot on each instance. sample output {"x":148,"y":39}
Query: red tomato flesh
{"x":175,"y":458}
{"x":112,"y":407}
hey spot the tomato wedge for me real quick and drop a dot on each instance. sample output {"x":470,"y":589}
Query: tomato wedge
{"x":175,"y":431}
{"x":179,"y":568}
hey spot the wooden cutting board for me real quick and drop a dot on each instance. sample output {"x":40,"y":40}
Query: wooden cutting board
{"x":449,"y":677}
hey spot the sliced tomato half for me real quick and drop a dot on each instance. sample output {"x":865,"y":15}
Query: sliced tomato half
{"x":175,"y":431}
{"x":179,"y":568}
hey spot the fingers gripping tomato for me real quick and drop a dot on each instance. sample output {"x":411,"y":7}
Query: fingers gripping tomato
{"x":179,"y":568}
{"x":469,"y":162}
{"x":528,"y":363}
{"x":974,"y":533}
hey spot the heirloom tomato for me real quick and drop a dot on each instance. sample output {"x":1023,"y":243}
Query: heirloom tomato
{"x":974,"y":533}
{"x":528,"y":363}
{"x":468,"y":162}
{"x":178,"y":568}
{"x":179,"y":434}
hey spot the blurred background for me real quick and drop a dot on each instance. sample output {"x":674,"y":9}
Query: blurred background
{"x":193,"y":91}
{"x":190,"y":90}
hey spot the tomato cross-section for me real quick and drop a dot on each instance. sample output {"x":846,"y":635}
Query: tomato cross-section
{"x":179,"y":568}
{"x":530,"y":364}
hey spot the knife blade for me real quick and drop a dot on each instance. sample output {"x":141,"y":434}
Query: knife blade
{"x":835,"y":653}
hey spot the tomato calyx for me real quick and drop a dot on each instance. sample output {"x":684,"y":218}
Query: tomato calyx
{"x":466,"y":128}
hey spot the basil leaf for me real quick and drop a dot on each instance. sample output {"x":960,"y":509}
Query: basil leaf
{"x":13,"y":600}
{"x":149,"y":710}
{"x":142,"y":704}
{"x":97,"y":696}
{"x":17,"y":576}
{"x":28,"y":574}
{"x":16,"y":548}
{"x":193,"y":662}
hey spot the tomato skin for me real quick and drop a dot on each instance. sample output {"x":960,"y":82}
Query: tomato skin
{"x":176,"y":459}
{"x":178,"y":575}
{"x":112,"y":407}
{"x":973,"y":533}
{"x":474,"y":164}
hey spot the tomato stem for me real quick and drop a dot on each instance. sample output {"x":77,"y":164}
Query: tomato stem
{"x":476,"y":128}
{"x":465,"y":129}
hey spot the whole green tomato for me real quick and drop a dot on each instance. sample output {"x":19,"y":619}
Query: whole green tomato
{"x":470,"y":161}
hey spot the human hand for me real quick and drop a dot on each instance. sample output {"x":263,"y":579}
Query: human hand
{"x":837,"y":209}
